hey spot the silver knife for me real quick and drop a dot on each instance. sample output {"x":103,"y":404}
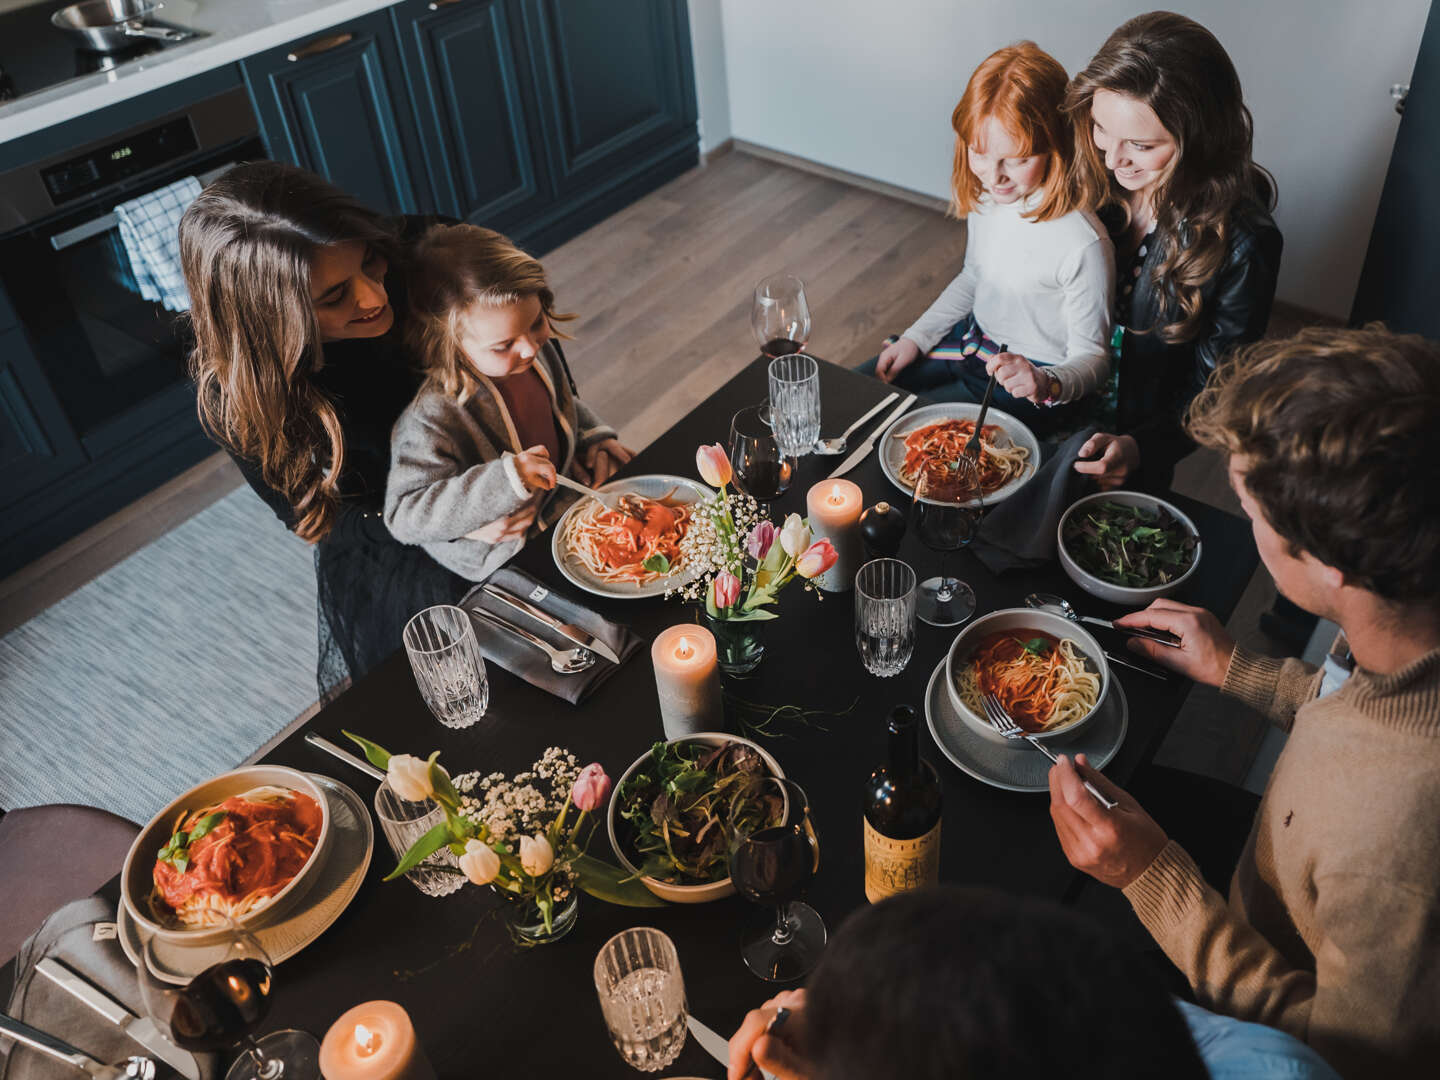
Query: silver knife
{"x":140,"y":1028}
{"x":717,"y":1047}
{"x":863,"y":450}
{"x":1135,"y":667}
{"x":566,"y":630}
{"x":1160,"y":637}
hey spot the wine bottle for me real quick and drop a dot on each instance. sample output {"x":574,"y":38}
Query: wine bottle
{"x":902,"y":814}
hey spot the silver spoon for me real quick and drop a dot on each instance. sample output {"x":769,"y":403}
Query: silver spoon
{"x":562,"y":661}
{"x":837,"y":445}
{"x":1045,"y":599}
{"x":140,"y":1067}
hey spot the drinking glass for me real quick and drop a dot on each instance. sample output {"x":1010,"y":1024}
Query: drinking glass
{"x":642,"y":996}
{"x":780,"y":315}
{"x":946,"y":514}
{"x":403,"y":822}
{"x":449,"y":668}
{"x":795,"y":402}
{"x":224,"y":1005}
{"x":762,"y":470}
{"x":885,"y":616}
{"x":771,"y":865}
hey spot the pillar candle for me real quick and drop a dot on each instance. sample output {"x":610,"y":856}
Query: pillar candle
{"x":374,"y":1041}
{"x":687,"y":678}
{"x":833,"y":509}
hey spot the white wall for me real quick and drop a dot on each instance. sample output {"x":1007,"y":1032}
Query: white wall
{"x":868,"y":86}
{"x":712,"y":90}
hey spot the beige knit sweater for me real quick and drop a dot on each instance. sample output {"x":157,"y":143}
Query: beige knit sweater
{"x":1332,"y":930}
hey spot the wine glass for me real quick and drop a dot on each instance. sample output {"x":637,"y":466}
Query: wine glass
{"x":224,"y":1004}
{"x":780,"y":315}
{"x":946,"y":514}
{"x":771,"y":862}
{"x":762,"y":470}
{"x":885,"y":616}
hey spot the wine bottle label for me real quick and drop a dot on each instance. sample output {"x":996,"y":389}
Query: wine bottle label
{"x":894,"y":866}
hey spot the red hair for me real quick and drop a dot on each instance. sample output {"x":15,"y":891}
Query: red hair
{"x":1022,"y":87}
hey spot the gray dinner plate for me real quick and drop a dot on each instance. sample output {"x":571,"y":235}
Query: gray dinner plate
{"x":892,"y":443}
{"x":1018,"y":766}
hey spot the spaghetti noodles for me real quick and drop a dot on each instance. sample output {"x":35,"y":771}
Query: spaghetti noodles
{"x":234,"y":857}
{"x":933,"y":449}
{"x":613,"y":546}
{"x":1043,"y":682}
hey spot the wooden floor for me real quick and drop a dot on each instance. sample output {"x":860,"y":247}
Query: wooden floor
{"x":662,"y":290}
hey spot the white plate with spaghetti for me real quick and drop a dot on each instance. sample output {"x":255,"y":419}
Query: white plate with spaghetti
{"x":336,"y":880}
{"x":1009,"y":453}
{"x":601,"y":551}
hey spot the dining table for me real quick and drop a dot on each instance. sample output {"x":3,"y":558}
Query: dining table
{"x":483,"y":1006}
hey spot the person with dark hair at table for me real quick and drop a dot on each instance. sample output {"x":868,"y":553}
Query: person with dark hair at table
{"x":1332,"y":928}
{"x":949,"y":982}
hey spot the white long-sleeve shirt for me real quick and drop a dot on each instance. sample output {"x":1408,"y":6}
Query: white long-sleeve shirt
{"x":1044,"y":288}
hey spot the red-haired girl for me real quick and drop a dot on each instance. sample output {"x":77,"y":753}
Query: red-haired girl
{"x":1039,"y":269}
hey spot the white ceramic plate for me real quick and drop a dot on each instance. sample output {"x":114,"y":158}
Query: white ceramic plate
{"x":1018,"y":766}
{"x":653,"y":486}
{"x":336,"y":882}
{"x":892,"y":443}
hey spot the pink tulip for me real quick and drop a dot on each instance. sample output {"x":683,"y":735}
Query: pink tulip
{"x":713,"y":464}
{"x":592,"y":788}
{"x":757,"y":544}
{"x":727,"y":589}
{"x":816,"y":559}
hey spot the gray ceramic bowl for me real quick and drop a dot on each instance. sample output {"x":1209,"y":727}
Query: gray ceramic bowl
{"x":137,"y":880}
{"x":1122,"y":594}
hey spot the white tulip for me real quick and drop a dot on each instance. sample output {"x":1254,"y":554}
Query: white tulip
{"x":795,"y":535}
{"x":536,"y":855}
{"x":409,"y":777}
{"x":480,"y":863}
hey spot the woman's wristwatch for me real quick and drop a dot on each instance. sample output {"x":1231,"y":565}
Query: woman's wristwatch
{"x":1052,"y":388}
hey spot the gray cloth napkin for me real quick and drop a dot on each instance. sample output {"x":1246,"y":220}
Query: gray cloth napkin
{"x":525,"y":660}
{"x":1020,"y":532}
{"x":80,"y":935}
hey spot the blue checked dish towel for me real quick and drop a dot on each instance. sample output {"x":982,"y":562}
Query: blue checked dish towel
{"x":150,"y":232}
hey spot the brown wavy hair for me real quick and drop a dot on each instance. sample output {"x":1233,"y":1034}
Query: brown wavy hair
{"x":1178,"y":68}
{"x":1023,"y":87}
{"x":246,"y":245}
{"x":1339,"y":435}
{"x":452,"y":268}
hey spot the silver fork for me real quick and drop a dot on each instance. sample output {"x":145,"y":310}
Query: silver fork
{"x":563,"y":661}
{"x":1005,"y":724}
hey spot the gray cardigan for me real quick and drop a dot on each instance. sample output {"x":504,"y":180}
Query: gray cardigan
{"x":452,"y":469}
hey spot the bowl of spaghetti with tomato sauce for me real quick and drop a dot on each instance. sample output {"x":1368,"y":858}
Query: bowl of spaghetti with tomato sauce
{"x":1049,"y":673}
{"x":240,"y":846}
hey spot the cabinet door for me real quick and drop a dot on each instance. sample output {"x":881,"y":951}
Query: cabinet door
{"x":474,"y":108}
{"x":616,"y":83}
{"x":37,"y":446}
{"x":335,"y":103}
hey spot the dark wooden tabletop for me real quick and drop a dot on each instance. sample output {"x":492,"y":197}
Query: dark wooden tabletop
{"x":480,"y":1005}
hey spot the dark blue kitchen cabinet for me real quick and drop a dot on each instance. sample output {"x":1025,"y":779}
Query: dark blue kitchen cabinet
{"x":473,"y":94}
{"x":336,"y":103}
{"x":37,"y":445}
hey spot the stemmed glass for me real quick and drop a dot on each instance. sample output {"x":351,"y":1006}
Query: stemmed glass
{"x":223,"y":1005}
{"x":762,"y":469}
{"x":771,"y":865}
{"x":946,"y":514}
{"x":449,"y":667}
{"x":885,"y":616}
{"x":780,"y":315}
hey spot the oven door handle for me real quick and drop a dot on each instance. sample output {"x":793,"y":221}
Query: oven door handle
{"x":105,"y":222}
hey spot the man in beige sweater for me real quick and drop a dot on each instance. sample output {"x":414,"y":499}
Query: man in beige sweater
{"x":1332,"y":928}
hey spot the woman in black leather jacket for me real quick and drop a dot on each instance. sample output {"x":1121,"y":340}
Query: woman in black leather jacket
{"x":1163,"y":141}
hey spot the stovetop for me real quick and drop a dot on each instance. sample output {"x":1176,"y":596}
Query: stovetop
{"x":35,"y":55}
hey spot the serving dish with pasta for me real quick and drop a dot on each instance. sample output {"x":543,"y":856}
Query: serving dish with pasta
{"x":926,"y":443}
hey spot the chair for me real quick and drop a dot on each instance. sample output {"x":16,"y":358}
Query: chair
{"x":51,"y":855}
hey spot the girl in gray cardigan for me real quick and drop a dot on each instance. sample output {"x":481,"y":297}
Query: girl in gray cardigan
{"x":473,"y":458}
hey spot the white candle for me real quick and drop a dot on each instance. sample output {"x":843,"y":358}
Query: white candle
{"x":374,"y":1041}
{"x":687,"y":680}
{"x":833,"y":509}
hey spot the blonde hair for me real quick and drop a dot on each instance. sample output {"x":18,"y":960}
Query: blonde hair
{"x":454,"y":268}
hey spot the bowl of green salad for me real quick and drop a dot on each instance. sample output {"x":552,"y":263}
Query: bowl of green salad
{"x":1128,"y":547}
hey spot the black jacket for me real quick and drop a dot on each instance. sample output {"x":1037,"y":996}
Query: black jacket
{"x":1158,"y":379}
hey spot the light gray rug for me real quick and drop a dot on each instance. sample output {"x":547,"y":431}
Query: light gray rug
{"x":170,"y":667}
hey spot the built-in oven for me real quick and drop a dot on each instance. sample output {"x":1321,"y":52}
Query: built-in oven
{"x":114,"y":359}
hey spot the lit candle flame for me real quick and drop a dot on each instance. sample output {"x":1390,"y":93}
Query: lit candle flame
{"x":837,"y":497}
{"x":366,"y":1041}
{"x":683,"y":651}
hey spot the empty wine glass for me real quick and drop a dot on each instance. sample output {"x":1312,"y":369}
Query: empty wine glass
{"x":780,"y":315}
{"x":946,"y":513}
{"x":449,"y":668}
{"x":224,"y":1004}
{"x":771,"y":862}
{"x":885,"y":616}
{"x":795,"y":402}
{"x":762,"y":470}
{"x":642,"y":997}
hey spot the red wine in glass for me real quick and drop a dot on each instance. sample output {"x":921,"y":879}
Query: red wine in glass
{"x":780,"y":315}
{"x":773,"y":866}
{"x":762,"y":470}
{"x":221,"y":1005}
{"x":781,"y":346}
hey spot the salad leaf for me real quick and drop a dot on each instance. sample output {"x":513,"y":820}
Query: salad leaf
{"x":1133,"y":546}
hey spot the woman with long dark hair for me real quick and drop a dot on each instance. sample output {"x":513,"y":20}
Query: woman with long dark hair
{"x":1163,"y":145}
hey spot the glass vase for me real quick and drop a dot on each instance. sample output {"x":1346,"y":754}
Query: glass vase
{"x":739,"y":646}
{"x":527,"y":925}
